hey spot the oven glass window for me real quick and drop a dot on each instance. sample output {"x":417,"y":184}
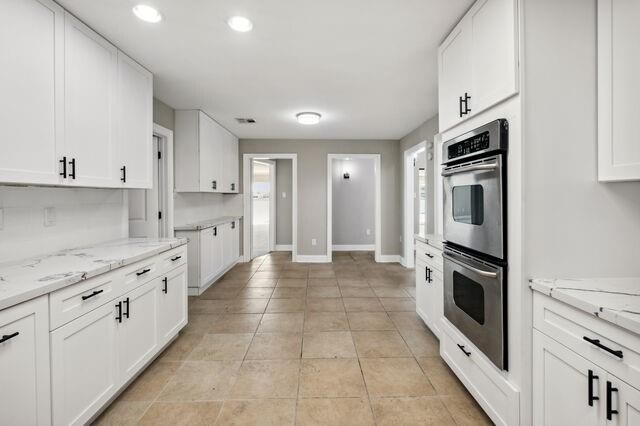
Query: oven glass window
{"x":468,"y":204}
{"x":468,"y":295}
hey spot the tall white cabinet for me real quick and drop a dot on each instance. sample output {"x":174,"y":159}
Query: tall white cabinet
{"x":206,"y":155}
{"x":477,"y":62}
{"x":80,"y":111}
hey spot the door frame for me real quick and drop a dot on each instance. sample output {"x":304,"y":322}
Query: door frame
{"x":377,"y":209}
{"x":165,"y":146}
{"x":272,"y":204}
{"x":408,"y":260}
{"x":246,"y":223}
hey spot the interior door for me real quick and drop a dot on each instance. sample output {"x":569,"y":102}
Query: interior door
{"x":145,"y":204}
{"x":262,"y":207}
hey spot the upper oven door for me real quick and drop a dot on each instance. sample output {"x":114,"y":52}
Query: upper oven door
{"x":473,"y":205}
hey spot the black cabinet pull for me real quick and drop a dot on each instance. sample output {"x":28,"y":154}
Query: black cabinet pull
{"x":176,"y":258}
{"x":233,"y":225}
{"x":429,"y":255}
{"x":596,"y":342}
{"x":426,"y":274}
{"x":215,"y":231}
{"x":214,"y":184}
{"x":123,"y":169}
{"x":64,"y":167}
{"x":89,"y":296}
{"x":233,"y":186}
{"x":467,"y":110}
{"x":6,"y":337}
{"x":165,"y":281}
{"x":610,"y":391}
{"x":72,"y":175}
{"x":119,"y":308}
{"x":460,"y":112}
{"x":126,"y":303}
{"x":463,"y":350}
{"x":143,"y":272}
{"x":591,"y":397}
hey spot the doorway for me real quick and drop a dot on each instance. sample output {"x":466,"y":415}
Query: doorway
{"x":260,"y":198}
{"x":263,"y":205}
{"x":151,"y":210}
{"x":415,"y":199}
{"x":354,"y":216}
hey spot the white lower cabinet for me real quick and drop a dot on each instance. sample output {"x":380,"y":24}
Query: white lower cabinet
{"x":24,"y":364}
{"x":172,"y":304}
{"x":429,"y":286}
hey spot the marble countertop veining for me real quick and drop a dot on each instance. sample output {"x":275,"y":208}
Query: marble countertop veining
{"x":204,"y":224}
{"x":30,"y":278}
{"x":616,"y":300}
{"x":431,"y":239}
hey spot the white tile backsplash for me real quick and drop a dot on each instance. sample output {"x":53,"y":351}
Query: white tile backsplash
{"x":81,"y":216}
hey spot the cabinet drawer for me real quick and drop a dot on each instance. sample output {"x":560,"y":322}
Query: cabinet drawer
{"x":498,"y":398}
{"x":141,"y":272}
{"x":429,"y":255}
{"x":571,"y":326}
{"x":171,"y":259}
{"x":71,"y":302}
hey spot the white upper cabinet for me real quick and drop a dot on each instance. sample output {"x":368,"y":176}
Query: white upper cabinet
{"x":31,"y":84}
{"x":206,"y":154}
{"x":90,"y":82}
{"x":618,"y":90}
{"x":134,"y":134}
{"x":477,"y":62}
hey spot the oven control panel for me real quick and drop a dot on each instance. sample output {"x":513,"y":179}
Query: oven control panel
{"x":474,"y":144}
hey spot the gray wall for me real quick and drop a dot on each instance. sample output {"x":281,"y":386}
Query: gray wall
{"x":284,"y":206}
{"x":312,"y":185}
{"x":163,"y":114}
{"x":574,"y":226}
{"x":353,"y":202}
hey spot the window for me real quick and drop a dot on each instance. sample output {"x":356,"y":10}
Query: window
{"x":468,"y":204}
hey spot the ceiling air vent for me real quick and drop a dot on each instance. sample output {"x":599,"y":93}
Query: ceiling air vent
{"x":245,"y":120}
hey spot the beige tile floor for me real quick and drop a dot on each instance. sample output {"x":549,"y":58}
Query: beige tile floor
{"x":282,"y":343}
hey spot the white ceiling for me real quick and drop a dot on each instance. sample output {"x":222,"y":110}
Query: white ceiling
{"x":368,"y":66}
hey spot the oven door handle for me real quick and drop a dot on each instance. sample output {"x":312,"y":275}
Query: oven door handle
{"x":470,"y":168}
{"x":456,"y":259}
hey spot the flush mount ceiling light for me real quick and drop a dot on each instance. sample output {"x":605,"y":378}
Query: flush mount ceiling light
{"x":240,"y":24}
{"x":308,"y":118}
{"x":147,"y":13}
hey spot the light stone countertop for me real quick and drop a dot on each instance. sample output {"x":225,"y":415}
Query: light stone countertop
{"x":204,"y":224}
{"x":30,"y":278}
{"x":616,"y":300}
{"x":432,"y":239}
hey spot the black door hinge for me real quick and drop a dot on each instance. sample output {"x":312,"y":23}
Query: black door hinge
{"x":159,"y":215}
{"x":159,"y":155}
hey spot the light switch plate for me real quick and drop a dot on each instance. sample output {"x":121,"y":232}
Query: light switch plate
{"x":284,"y":195}
{"x":368,"y":231}
{"x":49,"y":216}
{"x":314,"y":241}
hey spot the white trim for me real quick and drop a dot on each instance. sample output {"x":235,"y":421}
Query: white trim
{"x":313,"y":259}
{"x":389,"y":258}
{"x":284,"y":247}
{"x":167,"y":208}
{"x":246,"y":223}
{"x":354,"y":247}
{"x":403,"y":262}
{"x":378,"y":185}
{"x":409,"y":201}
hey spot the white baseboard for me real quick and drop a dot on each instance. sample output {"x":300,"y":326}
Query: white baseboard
{"x":354,"y":247}
{"x":403,"y":262}
{"x":197,"y":291}
{"x":312,"y":259}
{"x":284,"y":247}
{"x":388,"y":258}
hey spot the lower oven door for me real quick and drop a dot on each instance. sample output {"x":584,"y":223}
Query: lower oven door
{"x":474,"y":302}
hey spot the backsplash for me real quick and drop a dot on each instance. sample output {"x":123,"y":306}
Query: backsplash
{"x":194,"y":207}
{"x":76,"y":217}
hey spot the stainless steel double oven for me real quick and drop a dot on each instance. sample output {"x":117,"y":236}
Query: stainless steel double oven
{"x":475,"y":233}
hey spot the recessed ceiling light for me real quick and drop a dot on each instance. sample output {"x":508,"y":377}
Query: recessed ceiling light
{"x":308,"y":118}
{"x":147,"y":13}
{"x":240,"y":24}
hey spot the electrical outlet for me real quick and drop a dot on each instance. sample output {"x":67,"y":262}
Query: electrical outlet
{"x":49,"y":216}
{"x":1,"y":219}
{"x":314,"y":242}
{"x":284,"y":195}
{"x":368,"y":231}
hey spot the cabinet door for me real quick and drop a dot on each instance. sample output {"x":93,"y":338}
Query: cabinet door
{"x":134,"y":124}
{"x":626,"y":400}
{"x":233,"y":164}
{"x":424,"y":293}
{"x":235,"y":251}
{"x":138,"y":332}
{"x":32,"y":46}
{"x":454,"y":69}
{"x":217,"y":261}
{"x":618,"y":90}
{"x":90,"y":78}
{"x":84,"y":371}
{"x":172,"y":304}
{"x":211,"y":155}
{"x":492,"y":24}
{"x":24,"y":364}
{"x":206,"y":255}
{"x":561,"y":386}
{"x":227,"y":245}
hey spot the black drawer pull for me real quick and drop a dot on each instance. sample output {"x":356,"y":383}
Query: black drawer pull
{"x":463,"y":350}
{"x":89,"y":296}
{"x":126,"y":303}
{"x":596,"y":342}
{"x":591,"y":397}
{"x":165,"y":280}
{"x":143,"y":272}
{"x":176,"y":258}
{"x":72,"y":175}
{"x":119,"y":308}
{"x":429,"y":255}
{"x":6,"y":337}
{"x":610,"y":391}
{"x":123,"y":169}
{"x":64,"y":167}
